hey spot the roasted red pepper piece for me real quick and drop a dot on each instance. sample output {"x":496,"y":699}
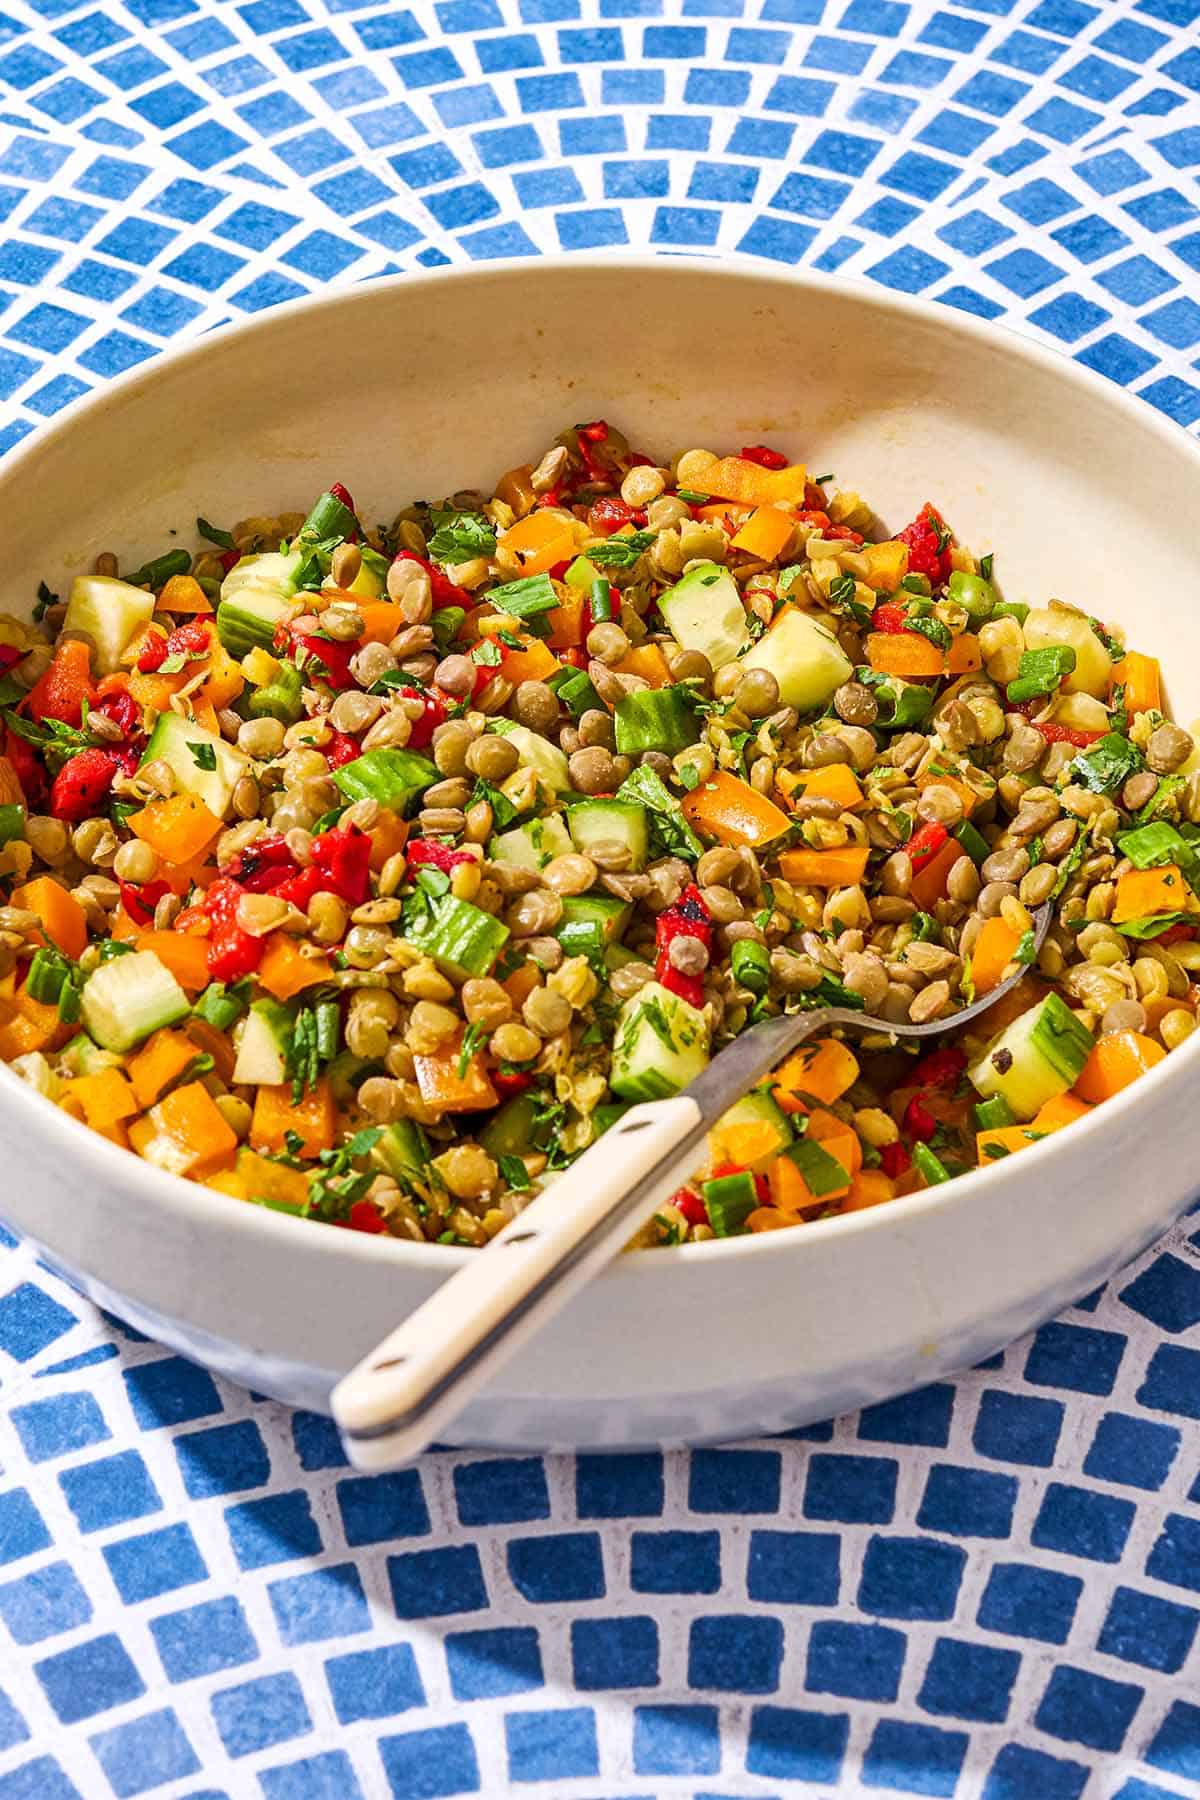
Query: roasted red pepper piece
{"x":123,"y":710}
{"x":940,"y":1069}
{"x":610,"y":514}
{"x":82,"y":785}
{"x":691,"y":1206}
{"x":1065,"y":734}
{"x":928,"y":543}
{"x":894,"y":1160}
{"x":925,"y":842}
{"x":333,"y":657}
{"x":445,"y":592}
{"x":10,"y":656}
{"x":428,"y":853}
{"x":153,"y":653}
{"x":66,"y":684}
{"x":364,"y":1215}
{"x":263,"y":865}
{"x":232,"y":952}
{"x":919,"y":1122}
{"x":192,"y":639}
{"x":341,"y":864}
{"x":27,"y":766}
{"x":688,"y":917}
{"x":766,"y":459}
{"x":344,"y":495}
{"x":341,"y":748}
{"x":587,"y":435}
{"x":509,"y":1081}
{"x":436,"y":709}
{"x":140,"y":898}
{"x":889,"y":617}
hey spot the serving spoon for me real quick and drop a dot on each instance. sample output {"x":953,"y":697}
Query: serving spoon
{"x":392,"y":1405}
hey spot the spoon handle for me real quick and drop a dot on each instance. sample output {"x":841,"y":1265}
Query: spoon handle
{"x":390,"y":1407}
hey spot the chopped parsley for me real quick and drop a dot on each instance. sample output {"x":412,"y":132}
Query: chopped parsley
{"x":203,"y":755}
{"x":459,"y":537}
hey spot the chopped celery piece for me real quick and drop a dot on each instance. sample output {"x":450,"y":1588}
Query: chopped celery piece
{"x":973,"y":842}
{"x":281,"y":698}
{"x":393,"y":777}
{"x":750,"y":963}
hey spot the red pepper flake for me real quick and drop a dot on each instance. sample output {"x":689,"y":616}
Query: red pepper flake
{"x":766,"y":459}
{"x":82,"y":785}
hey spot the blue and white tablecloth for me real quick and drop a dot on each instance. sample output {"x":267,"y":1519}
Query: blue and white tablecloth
{"x":989,"y":1590}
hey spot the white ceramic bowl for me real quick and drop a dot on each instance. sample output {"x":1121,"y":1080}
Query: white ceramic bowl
{"x":423,"y":384}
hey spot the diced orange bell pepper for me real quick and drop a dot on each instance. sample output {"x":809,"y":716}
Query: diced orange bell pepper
{"x":190,"y":1118}
{"x":183,"y":594}
{"x":66,"y":684}
{"x":204,"y":713}
{"x":833,"y":1134}
{"x":904,"y":653}
{"x":1118,"y":1059}
{"x":822,"y":1070}
{"x":285,"y":969}
{"x":993,"y":950}
{"x":836,"y":781}
{"x":964,"y":655}
{"x":1064,"y":1109}
{"x":541,"y":540}
{"x":162,"y":1059}
{"x":1141,"y":678}
{"x":62,"y":919}
{"x":732,"y":812}
{"x":154,"y":692}
{"x":730,"y":518}
{"x":936,"y":777}
{"x":11,"y":791}
{"x":929,"y":881}
{"x":388,"y":835}
{"x":648,"y":661}
{"x":534,"y":661}
{"x":382,"y":620}
{"x":106,"y":1098}
{"x":312,"y":1118}
{"x":443,"y":1087}
{"x":255,"y":1177}
{"x":32,"y":1025}
{"x":887,"y":565}
{"x":566,"y":621}
{"x":736,"y":478}
{"x":993,"y":1146}
{"x":870,"y":1187}
{"x":1159,"y":890}
{"x":765,"y":533}
{"x":771,"y":1218}
{"x":790,"y":1193}
{"x":224,"y":681}
{"x":825,"y":868}
{"x":186,"y":956}
{"x":177,"y":828}
{"x":747,"y":1145}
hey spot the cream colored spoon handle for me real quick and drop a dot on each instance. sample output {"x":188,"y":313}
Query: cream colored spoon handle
{"x":391,"y":1406}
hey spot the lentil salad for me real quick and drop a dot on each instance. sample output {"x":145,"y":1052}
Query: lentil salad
{"x":369,"y":873}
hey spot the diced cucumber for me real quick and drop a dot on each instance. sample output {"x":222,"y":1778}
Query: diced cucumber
{"x":403,"y":1150}
{"x":509,"y":1132}
{"x":546,"y":759}
{"x":666,"y":814}
{"x":256,"y":595}
{"x":661,"y":1044}
{"x":532,"y":845}
{"x":575,"y":691}
{"x":128,"y":997}
{"x":590,"y":922}
{"x":1035,"y":1059}
{"x":393,"y":777}
{"x":655,"y":719}
{"x":462,"y":939}
{"x":263,"y":1047}
{"x":804,"y":657}
{"x":186,"y":748}
{"x":84,"y":1057}
{"x":581,"y":574}
{"x":704,"y":612}
{"x":593,"y":823}
{"x":729,"y":1200}
{"x":111,"y":613}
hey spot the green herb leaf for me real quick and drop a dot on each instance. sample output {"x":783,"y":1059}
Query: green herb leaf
{"x":1026,"y":950}
{"x":434,"y":881}
{"x":621,"y":552}
{"x":1108,"y":765}
{"x":473,"y":1036}
{"x":203,"y":755}
{"x":487,"y":654}
{"x":45,"y":599}
{"x":985,"y":566}
{"x":460,"y":536}
{"x":515,"y":1174}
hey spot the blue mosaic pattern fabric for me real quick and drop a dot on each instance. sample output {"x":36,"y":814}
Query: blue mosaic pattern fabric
{"x":989,"y":1590}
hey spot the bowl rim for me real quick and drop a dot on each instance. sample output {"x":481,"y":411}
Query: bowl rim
{"x":208,"y":1207}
